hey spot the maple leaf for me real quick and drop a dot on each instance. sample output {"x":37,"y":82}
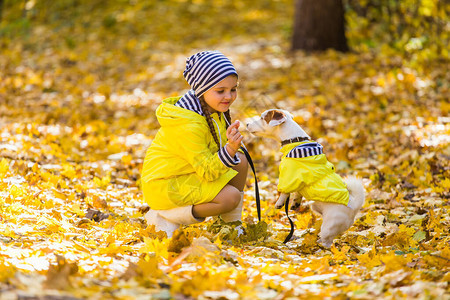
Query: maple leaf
{"x":370,"y":259}
{"x":159,"y":248}
{"x":393,"y":262}
{"x":340,"y":255}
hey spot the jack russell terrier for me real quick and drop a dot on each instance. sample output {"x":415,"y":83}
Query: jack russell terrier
{"x":305,"y":170}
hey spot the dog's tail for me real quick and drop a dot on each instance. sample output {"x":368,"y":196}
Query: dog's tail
{"x":356,"y":190}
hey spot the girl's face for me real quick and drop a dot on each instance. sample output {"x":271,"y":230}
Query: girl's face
{"x":220,"y":97}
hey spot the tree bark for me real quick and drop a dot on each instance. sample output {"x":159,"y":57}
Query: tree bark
{"x":1,"y":9}
{"x":319,"y":25}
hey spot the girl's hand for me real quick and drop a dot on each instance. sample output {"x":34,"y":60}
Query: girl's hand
{"x":234,"y":138}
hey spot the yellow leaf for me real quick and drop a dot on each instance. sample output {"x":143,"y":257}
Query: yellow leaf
{"x":370,"y":259}
{"x":373,"y":218}
{"x":112,"y":249}
{"x":393,"y":262}
{"x":104,"y":89}
{"x":4,"y":166}
{"x":340,"y":255}
{"x":381,"y":81}
{"x":76,"y":209}
{"x":98,"y":202}
{"x":50,"y":178}
{"x":407,"y":230}
{"x":7,"y":231}
{"x":149,"y":267}
{"x":155,"y":246}
{"x":303,"y":221}
{"x":81,"y":247}
{"x":103,"y":182}
{"x":68,"y":171}
{"x":126,"y":159}
{"x":6,"y":271}
{"x":89,"y":79}
{"x":445,"y":184}
{"x":50,"y":224}
{"x":16,"y":191}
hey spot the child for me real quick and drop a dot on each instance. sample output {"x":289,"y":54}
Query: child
{"x":193,"y":169}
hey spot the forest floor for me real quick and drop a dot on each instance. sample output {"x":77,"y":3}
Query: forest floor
{"x":77,"y":113}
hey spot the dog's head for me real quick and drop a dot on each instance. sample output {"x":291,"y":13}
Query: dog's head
{"x":270,"y":123}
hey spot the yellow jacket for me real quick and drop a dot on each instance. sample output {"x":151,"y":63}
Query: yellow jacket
{"x":183,"y":164}
{"x":312,"y":176}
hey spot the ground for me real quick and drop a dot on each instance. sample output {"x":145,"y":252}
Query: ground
{"x":77,"y":103}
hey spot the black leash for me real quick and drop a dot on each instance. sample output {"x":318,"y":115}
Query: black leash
{"x":258,"y":201}
{"x":291,"y":233}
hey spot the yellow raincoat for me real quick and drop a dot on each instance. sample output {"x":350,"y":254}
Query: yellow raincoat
{"x":182,"y":166}
{"x":313,"y":177}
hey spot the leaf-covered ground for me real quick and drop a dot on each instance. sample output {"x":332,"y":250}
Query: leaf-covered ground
{"x":77,"y":100}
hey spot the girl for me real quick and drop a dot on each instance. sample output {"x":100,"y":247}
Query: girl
{"x":193,"y":169}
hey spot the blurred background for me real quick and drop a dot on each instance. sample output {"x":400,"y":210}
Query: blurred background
{"x":79,"y":84}
{"x":102,"y":67}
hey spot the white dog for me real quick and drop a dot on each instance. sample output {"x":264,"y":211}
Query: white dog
{"x":304,"y":169}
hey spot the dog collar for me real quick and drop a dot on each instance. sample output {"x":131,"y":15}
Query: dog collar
{"x":294,"y":140}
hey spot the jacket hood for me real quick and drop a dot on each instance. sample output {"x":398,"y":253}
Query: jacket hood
{"x":170,"y":115}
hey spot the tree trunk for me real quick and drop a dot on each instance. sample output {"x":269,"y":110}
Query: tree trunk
{"x":319,"y":25}
{"x":1,"y":9}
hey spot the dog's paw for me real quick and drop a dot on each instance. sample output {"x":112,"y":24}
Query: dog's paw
{"x":325,"y":244}
{"x":278,"y":206}
{"x":280,"y":202}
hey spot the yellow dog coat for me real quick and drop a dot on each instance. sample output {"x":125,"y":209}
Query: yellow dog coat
{"x":305,"y":169}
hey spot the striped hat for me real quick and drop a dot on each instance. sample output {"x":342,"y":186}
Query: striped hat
{"x":206,"y":69}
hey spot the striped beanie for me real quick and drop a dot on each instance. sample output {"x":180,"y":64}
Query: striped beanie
{"x":206,"y":69}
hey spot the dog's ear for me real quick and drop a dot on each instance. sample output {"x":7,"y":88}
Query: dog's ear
{"x":291,"y":115}
{"x":275,"y":117}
